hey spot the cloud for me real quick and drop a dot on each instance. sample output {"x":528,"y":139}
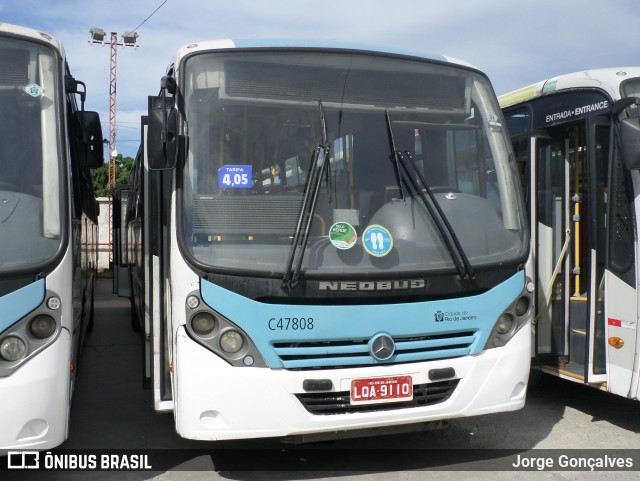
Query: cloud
{"x":515,"y":43}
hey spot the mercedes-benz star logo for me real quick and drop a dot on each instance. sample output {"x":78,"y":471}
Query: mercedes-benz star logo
{"x":382,"y":347}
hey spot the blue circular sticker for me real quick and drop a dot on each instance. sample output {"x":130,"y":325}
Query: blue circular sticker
{"x":377,"y":240}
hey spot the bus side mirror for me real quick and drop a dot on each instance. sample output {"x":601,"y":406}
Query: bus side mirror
{"x":162,"y":135}
{"x":630,"y":140}
{"x":88,"y":140}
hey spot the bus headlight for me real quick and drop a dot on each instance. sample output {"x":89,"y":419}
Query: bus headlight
{"x":510,"y":321}
{"x":522,"y":305}
{"x":504,"y":324}
{"x":231,"y":341}
{"x":12,"y":348}
{"x":43,"y":326}
{"x":203,"y":323}
{"x":218,"y":334}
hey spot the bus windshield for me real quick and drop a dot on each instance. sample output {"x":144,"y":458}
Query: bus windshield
{"x":29,"y":168}
{"x":259,"y":126}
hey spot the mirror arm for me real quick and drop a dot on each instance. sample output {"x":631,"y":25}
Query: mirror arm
{"x":167,"y":84}
{"x":71,"y":85}
{"x":621,"y":104}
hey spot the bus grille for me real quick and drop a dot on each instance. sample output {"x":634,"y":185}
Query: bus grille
{"x":323,"y":403}
{"x":336,"y":354}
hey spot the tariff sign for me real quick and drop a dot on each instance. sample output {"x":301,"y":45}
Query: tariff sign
{"x":234,"y":177}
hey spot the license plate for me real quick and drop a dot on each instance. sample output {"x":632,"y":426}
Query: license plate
{"x":381,"y":389}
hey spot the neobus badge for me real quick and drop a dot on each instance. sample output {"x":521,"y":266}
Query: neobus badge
{"x":371,"y":285}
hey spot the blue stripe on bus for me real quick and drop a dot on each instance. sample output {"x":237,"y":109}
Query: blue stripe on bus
{"x":15,"y":305}
{"x":466,"y":322}
{"x":302,"y":43}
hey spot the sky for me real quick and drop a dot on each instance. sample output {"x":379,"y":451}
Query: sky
{"x":515,"y":42}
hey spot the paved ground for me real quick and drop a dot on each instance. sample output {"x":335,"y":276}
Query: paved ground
{"x":112,"y":411}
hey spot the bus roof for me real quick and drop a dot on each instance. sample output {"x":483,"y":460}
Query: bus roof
{"x":607,"y":79}
{"x":318,"y":44}
{"x":30,"y":33}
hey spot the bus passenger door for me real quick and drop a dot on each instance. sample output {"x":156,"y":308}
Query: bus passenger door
{"x":599,"y":158}
{"x":620,"y":318}
{"x":570,"y":204}
{"x":551,"y":244}
{"x":121,"y":282}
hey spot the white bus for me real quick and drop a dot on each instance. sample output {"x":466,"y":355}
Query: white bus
{"x":48,"y":234}
{"x":335,"y":243}
{"x":577,"y":140}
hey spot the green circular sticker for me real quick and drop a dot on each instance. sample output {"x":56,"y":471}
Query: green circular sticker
{"x":343,"y":235}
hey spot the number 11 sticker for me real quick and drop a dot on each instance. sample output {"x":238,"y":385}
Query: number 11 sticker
{"x":234,"y":177}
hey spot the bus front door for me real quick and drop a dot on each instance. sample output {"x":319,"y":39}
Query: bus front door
{"x":570,"y":172}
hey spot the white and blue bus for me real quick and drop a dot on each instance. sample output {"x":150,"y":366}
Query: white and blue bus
{"x":577,"y":142}
{"x":48,"y":234}
{"x":327,"y":240}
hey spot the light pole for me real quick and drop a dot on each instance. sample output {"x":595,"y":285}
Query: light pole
{"x":129,"y":39}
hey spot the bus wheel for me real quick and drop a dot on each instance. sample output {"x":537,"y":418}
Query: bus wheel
{"x":535,"y":378}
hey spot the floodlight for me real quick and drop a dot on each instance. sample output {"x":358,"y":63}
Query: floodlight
{"x":130,"y":39}
{"x":97,"y":34}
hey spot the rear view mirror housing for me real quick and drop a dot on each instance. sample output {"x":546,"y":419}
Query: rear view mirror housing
{"x":630,"y":140}
{"x":162,"y":137}
{"x":629,"y":130}
{"x":89,"y":148}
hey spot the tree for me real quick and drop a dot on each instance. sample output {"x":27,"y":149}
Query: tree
{"x":101,"y":175}
{"x":124,"y":165}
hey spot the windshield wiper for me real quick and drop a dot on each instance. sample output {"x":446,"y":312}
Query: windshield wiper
{"x":396,"y":156}
{"x":448,"y":234}
{"x":318,"y":168}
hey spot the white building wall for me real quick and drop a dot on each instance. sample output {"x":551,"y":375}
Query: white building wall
{"x":103,"y":235}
